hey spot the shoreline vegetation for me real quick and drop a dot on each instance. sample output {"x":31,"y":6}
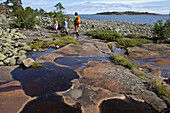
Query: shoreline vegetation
{"x":126,"y":13}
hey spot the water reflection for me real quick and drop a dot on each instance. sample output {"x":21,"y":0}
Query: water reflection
{"x":166,"y":69}
{"x":118,"y":50}
{"x":37,"y":54}
{"x":78,"y":62}
{"x":50,"y":104}
{"x":125,"y":106}
{"x":50,"y":78}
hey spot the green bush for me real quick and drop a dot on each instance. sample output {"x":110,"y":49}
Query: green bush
{"x":105,"y":34}
{"x":24,"y":18}
{"x":160,"y":30}
{"x":59,"y":15}
{"x":132,"y":42}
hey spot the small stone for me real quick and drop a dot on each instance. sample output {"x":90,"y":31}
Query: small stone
{"x":28,"y":62}
{"x":57,"y":46}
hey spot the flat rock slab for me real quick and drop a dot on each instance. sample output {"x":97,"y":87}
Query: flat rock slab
{"x":5,"y":73}
{"x":118,"y":80}
{"x":13,"y":99}
{"x":84,"y":50}
{"x":112,"y":77}
{"x":149,"y":51}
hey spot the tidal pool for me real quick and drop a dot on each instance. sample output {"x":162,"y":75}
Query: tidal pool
{"x":50,"y":104}
{"x":78,"y":62}
{"x":118,"y":50}
{"x":48,"y":79}
{"x":37,"y":54}
{"x":165,"y":69}
{"x":125,"y":106}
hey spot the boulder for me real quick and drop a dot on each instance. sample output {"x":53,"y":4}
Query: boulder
{"x":22,"y":52}
{"x":7,"y":61}
{"x":12,"y":61}
{"x":20,"y":59}
{"x":27,"y":48}
{"x":28,"y":62}
{"x":1,"y":63}
{"x":2,"y":56}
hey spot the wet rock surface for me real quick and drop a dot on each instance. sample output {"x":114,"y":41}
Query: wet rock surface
{"x":84,"y":50}
{"x":5,"y":73}
{"x":149,"y":51}
{"x":98,"y":81}
{"x":50,"y":104}
{"x":13,"y":98}
{"x":46,"y":80}
{"x":164,"y":62}
{"x":129,"y":105}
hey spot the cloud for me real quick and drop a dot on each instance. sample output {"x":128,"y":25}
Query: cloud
{"x":107,"y":5}
{"x":95,"y":6}
{"x":125,"y":1}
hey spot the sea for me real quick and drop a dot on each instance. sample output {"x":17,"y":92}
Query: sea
{"x":142,"y":19}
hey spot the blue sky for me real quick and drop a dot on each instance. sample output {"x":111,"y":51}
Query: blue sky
{"x":95,"y":6}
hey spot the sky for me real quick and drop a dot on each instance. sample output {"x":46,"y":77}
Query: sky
{"x":97,"y":6}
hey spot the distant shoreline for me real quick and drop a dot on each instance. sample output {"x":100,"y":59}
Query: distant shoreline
{"x":126,"y":13}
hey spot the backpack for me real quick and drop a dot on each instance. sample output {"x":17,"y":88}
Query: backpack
{"x":77,"y":19}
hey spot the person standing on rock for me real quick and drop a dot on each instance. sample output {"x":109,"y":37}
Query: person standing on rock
{"x":66,"y":25}
{"x":56,"y":26}
{"x":76,"y":22}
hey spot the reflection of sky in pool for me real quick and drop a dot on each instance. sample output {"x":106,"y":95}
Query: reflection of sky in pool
{"x":78,"y":62}
{"x":49,"y":79}
{"x":38,"y":54}
{"x":118,"y":50}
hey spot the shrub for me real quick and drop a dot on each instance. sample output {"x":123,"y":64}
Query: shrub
{"x":105,"y":34}
{"x":23,"y":18}
{"x":160,"y":30}
{"x":59,"y":15}
{"x":132,"y":42}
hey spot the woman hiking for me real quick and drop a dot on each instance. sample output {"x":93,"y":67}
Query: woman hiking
{"x":76,"y":22}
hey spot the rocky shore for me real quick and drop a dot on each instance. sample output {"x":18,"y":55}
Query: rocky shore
{"x":11,"y":51}
{"x":35,"y":90}
{"x":124,"y":28}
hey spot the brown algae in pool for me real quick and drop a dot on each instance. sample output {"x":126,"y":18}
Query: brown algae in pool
{"x":125,"y":106}
{"x":48,"y":79}
{"x":50,"y":104}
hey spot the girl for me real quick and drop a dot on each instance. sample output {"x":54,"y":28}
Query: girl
{"x":56,"y":26}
